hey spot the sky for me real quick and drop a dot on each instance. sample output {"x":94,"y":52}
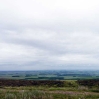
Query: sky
{"x":49,"y":34}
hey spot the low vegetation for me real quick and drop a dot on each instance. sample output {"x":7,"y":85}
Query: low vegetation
{"x":70,"y":89}
{"x":49,"y":84}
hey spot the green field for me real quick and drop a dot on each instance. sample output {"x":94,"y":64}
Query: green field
{"x":49,"y":75}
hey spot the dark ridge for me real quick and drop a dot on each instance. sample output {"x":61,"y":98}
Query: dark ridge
{"x":90,"y":82}
{"x":7,"y":82}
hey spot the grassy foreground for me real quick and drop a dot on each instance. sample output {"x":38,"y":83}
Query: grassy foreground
{"x":70,"y":90}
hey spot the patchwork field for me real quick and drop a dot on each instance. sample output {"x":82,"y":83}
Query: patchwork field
{"x":50,"y":75}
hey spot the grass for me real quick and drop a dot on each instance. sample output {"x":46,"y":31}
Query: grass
{"x":44,"y":92}
{"x":36,"y":94}
{"x":71,"y":90}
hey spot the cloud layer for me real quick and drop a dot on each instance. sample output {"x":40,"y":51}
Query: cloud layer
{"x":49,"y":34}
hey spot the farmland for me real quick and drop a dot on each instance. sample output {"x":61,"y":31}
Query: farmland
{"x":50,"y":75}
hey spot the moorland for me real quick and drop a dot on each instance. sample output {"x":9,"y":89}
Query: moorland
{"x":49,"y":85}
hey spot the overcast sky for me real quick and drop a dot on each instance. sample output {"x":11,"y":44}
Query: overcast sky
{"x":49,"y":34}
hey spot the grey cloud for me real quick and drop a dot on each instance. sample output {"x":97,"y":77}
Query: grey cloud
{"x":49,"y":34}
